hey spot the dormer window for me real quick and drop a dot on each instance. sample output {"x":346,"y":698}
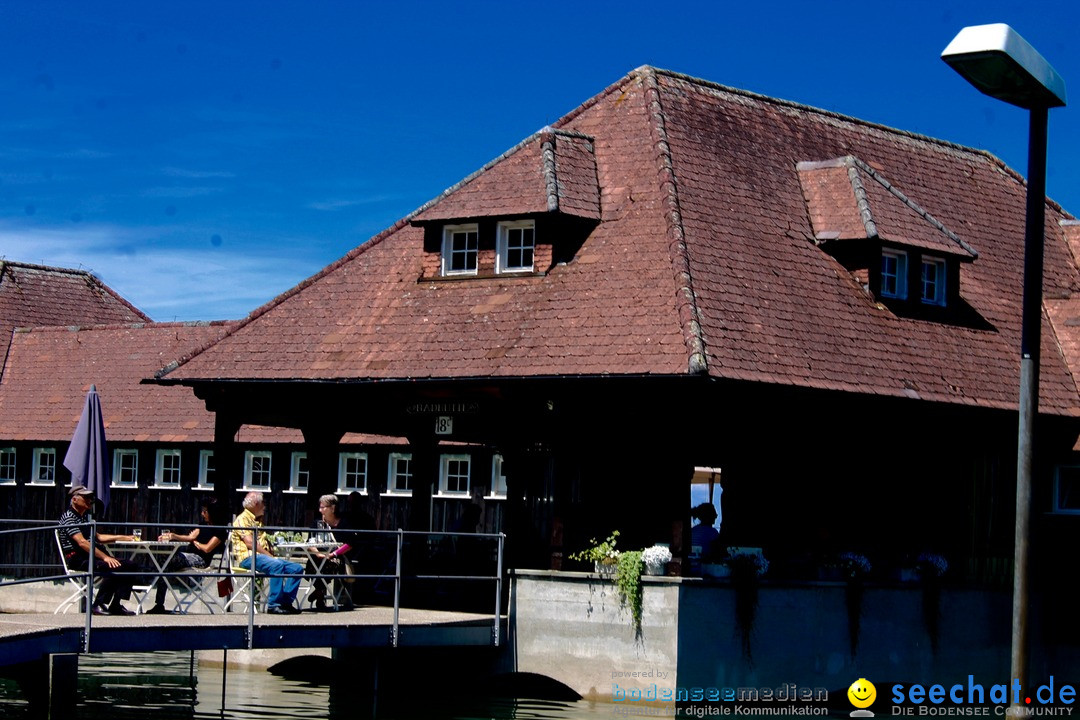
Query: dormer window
{"x":461,"y":244}
{"x":893,"y":274}
{"x":515,"y":247}
{"x":933,"y":281}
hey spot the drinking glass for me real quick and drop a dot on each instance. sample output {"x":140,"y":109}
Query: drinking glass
{"x":137,"y":532}
{"x":166,"y":535}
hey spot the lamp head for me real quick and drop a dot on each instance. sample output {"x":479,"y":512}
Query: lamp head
{"x":1000,"y":63}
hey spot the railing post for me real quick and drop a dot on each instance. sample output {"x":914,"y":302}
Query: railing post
{"x":89,"y":600}
{"x":498,"y":591}
{"x":397,"y":588}
{"x":253,"y":589}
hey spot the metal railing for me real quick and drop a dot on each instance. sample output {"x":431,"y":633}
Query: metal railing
{"x":419,"y":557}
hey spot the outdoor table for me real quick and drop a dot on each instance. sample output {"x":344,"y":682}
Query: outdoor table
{"x":160,"y":554}
{"x":303,"y":552}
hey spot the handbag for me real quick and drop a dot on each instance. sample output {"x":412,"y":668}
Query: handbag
{"x":224,"y":585}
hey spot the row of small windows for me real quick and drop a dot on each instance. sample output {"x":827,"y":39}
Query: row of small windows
{"x":894,"y":277}
{"x":455,"y":471}
{"x":515,"y":247}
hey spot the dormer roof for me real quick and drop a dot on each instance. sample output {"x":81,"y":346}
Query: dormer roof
{"x":848,"y":200}
{"x":552,"y":171}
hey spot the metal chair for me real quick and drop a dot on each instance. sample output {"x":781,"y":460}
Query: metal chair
{"x":78,"y":579}
{"x":245,"y":583}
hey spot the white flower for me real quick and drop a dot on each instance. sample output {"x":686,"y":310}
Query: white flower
{"x":656,"y":555}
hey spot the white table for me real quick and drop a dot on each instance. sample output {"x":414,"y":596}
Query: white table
{"x":160,"y":554}
{"x":303,"y":552}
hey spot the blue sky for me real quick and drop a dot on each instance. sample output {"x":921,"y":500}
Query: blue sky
{"x":202,"y":157}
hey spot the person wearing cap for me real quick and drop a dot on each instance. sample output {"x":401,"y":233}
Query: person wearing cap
{"x":76,"y":548}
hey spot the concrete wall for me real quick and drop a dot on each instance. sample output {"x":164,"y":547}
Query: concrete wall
{"x":572,"y":627}
{"x":801,"y":635}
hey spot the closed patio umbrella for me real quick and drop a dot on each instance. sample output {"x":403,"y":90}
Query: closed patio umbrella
{"x":87,"y":456}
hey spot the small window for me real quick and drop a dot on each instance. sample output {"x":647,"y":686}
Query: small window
{"x":1067,"y":489}
{"x":461,"y":244}
{"x":893,"y":274}
{"x":7,"y":466}
{"x":933,"y":281}
{"x":44,"y":471}
{"x":517,"y":241}
{"x":454,"y":475}
{"x":206,"y":469}
{"x":125,"y":468}
{"x":352,"y":472}
{"x":298,"y":472}
{"x":498,"y":480}
{"x":399,"y":479}
{"x":257,"y":470}
{"x":167,"y":469}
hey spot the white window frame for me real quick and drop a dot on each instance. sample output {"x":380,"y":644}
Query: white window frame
{"x":40,"y":455}
{"x":299,"y":477}
{"x":8,"y":478}
{"x":250,"y":456}
{"x":392,"y":474}
{"x":444,"y":475}
{"x":498,"y":480}
{"x":344,"y":473}
{"x":118,"y":468}
{"x":163,"y":457}
{"x":502,"y":247}
{"x":938,"y":297}
{"x":900,"y":277}
{"x":1075,"y":486}
{"x":206,"y":466}
{"x":448,"y":249}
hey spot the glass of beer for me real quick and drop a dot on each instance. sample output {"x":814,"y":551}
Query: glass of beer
{"x":137,"y":532}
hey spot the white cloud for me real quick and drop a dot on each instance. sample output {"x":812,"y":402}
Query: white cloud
{"x":338,"y":204}
{"x":196,"y":174}
{"x":170,"y":282}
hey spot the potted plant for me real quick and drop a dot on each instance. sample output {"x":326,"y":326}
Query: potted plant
{"x":656,"y":558}
{"x":602,"y":555}
{"x":628,"y":583}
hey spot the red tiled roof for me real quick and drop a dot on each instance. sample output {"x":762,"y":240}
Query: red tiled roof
{"x":704,"y":261}
{"x":34,"y":295}
{"x":49,"y":371}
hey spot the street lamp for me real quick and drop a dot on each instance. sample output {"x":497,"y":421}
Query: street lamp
{"x":1001,"y":64}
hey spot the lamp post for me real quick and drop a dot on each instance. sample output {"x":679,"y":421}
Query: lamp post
{"x":1001,"y":64}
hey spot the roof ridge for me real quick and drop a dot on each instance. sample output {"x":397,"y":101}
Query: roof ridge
{"x":123,"y":326}
{"x":816,"y":110}
{"x":686,"y":302}
{"x":547,"y":162}
{"x":915,"y":207}
{"x":1001,"y":164}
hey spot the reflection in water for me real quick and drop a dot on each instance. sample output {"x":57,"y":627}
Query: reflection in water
{"x":171,"y":686}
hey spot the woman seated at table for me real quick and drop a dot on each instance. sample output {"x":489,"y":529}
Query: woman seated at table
{"x":204,"y":542}
{"x":337,"y":560}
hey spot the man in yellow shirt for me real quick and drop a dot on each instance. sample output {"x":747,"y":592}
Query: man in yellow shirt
{"x":251,"y":548}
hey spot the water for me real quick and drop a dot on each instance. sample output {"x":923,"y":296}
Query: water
{"x":160,"y":685}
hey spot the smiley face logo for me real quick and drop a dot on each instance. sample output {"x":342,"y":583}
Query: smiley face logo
{"x":862,"y":693}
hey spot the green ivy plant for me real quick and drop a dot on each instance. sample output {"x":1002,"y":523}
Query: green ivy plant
{"x":628,"y":582}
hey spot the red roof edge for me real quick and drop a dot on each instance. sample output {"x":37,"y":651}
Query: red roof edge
{"x":685,"y":300}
